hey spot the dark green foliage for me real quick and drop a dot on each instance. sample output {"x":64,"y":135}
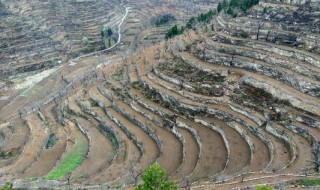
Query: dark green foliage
{"x":224,"y":4}
{"x":247,"y":4}
{"x":233,"y":3}
{"x":106,"y":32}
{"x":219,"y":8}
{"x":163,"y":19}
{"x":51,"y":141}
{"x":202,"y":18}
{"x":192,"y":22}
{"x":174,"y":31}
{"x":244,"y":5}
{"x":155,"y":178}
{"x":102,"y":34}
{"x":264,"y":10}
{"x":309,"y":182}
{"x":230,"y":11}
{"x":109,"y":32}
{"x":205,"y":17}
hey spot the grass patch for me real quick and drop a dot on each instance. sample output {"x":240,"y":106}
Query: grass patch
{"x":71,"y":160}
{"x":82,"y":176}
{"x":309,"y":182}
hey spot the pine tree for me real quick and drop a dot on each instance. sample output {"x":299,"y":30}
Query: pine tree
{"x":230,"y":11}
{"x":233,"y":3}
{"x":224,"y":4}
{"x":219,"y":8}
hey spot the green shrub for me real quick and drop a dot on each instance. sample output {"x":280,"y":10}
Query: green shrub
{"x":155,"y":178}
{"x":7,"y":186}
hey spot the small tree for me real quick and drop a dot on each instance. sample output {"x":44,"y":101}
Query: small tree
{"x":224,"y":4}
{"x":219,"y":8}
{"x":109,"y":31}
{"x":264,"y":10}
{"x":191,"y":23}
{"x":155,"y":178}
{"x":85,"y":41}
{"x":230,"y":11}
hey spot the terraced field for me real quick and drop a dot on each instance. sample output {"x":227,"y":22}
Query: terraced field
{"x":218,"y":107}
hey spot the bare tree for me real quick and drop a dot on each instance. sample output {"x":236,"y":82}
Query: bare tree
{"x":135,"y":173}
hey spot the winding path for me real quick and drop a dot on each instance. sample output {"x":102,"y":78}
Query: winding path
{"x":72,"y":62}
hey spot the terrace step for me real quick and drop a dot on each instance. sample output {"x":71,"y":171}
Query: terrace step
{"x":16,"y":145}
{"x":37,"y":139}
{"x":210,"y":163}
{"x":129,"y":153}
{"x":50,"y":154}
{"x":77,"y":148}
{"x":171,"y":155}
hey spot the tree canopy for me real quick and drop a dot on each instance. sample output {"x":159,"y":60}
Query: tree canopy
{"x":155,"y":178}
{"x":174,"y":31}
{"x":244,"y":5}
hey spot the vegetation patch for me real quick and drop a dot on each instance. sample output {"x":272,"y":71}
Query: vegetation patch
{"x":82,"y":176}
{"x":243,"y":5}
{"x":203,"y":82}
{"x":118,"y":75}
{"x":71,"y":160}
{"x":309,"y":182}
{"x":263,"y":187}
{"x":174,"y":31}
{"x":7,"y":186}
{"x":155,"y":177}
{"x":51,"y":141}
{"x":163,"y":19}
{"x":9,"y":153}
